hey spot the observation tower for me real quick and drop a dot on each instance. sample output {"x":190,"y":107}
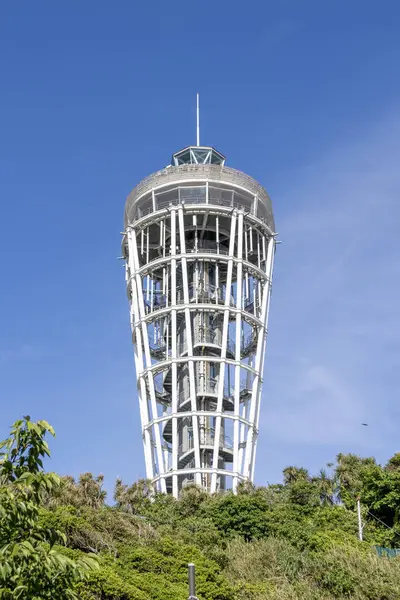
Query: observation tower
{"x":199,"y":245}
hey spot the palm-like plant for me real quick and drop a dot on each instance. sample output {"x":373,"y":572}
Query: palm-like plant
{"x":348,"y":476}
{"x":131,"y":498}
{"x":90,"y":490}
{"x":293,"y":474}
{"x":326,"y":488}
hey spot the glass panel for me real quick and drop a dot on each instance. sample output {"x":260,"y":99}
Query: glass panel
{"x":216,"y":158}
{"x":145,"y":206}
{"x":244,"y":201}
{"x":220,"y":196}
{"x":192,"y":195}
{"x":201,"y":155}
{"x":183,"y":158}
{"x":262,"y":210}
{"x":164,"y":199}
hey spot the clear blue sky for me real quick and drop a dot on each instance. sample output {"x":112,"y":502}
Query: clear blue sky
{"x":305,"y":97}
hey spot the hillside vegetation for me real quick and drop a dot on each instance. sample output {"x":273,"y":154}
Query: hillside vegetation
{"x":292,"y":541}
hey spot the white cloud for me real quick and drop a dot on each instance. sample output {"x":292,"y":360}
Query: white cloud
{"x":315,"y":405}
{"x":334,"y":349}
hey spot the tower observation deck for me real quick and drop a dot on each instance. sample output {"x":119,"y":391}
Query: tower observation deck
{"x":199,"y":245}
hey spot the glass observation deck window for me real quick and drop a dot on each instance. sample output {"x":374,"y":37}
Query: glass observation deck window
{"x":198,"y":155}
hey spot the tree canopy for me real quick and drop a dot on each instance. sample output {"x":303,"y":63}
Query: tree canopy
{"x":32,"y":564}
{"x":60,"y":539}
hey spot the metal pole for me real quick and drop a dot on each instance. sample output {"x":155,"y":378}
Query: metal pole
{"x":192,"y":582}
{"x":360,"y":527}
{"x":198,"y":119}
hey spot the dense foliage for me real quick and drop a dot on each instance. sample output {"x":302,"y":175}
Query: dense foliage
{"x":291,"y":541}
{"x":32,"y":564}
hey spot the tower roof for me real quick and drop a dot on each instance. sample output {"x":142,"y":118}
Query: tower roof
{"x":198,"y":155}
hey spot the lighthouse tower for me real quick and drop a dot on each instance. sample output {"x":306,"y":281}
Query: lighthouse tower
{"x":199,"y":244}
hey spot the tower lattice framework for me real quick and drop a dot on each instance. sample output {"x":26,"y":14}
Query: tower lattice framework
{"x":199,"y":245}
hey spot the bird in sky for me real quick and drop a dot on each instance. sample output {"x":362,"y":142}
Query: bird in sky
{"x":364,"y":424}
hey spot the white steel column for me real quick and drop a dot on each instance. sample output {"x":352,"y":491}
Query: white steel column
{"x":156,"y":429}
{"x":267,"y":292}
{"x":247,"y":469}
{"x":223,"y":364}
{"x":238,"y":343}
{"x":142,"y":394}
{"x":192,"y":382}
{"x":174,"y":337}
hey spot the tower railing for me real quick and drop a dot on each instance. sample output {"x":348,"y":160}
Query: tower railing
{"x":202,"y":336}
{"x":207,"y":438}
{"x":209,"y":295}
{"x":207,"y":388}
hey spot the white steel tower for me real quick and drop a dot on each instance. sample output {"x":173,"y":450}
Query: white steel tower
{"x":199,"y":244}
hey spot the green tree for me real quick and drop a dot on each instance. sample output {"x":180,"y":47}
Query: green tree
{"x":304,"y":493}
{"x":245,"y":487}
{"x":393,"y":463}
{"x":88,"y":491}
{"x":294,"y":474}
{"x":32,"y":563}
{"x":91,"y":490}
{"x":325,"y":486}
{"x":381,"y":495}
{"x":133,"y":498}
{"x":191,"y":499}
{"x":245,"y":514}
{"x":348,"y":477}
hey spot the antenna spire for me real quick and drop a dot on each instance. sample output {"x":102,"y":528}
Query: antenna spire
{"x":198,"y":119}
